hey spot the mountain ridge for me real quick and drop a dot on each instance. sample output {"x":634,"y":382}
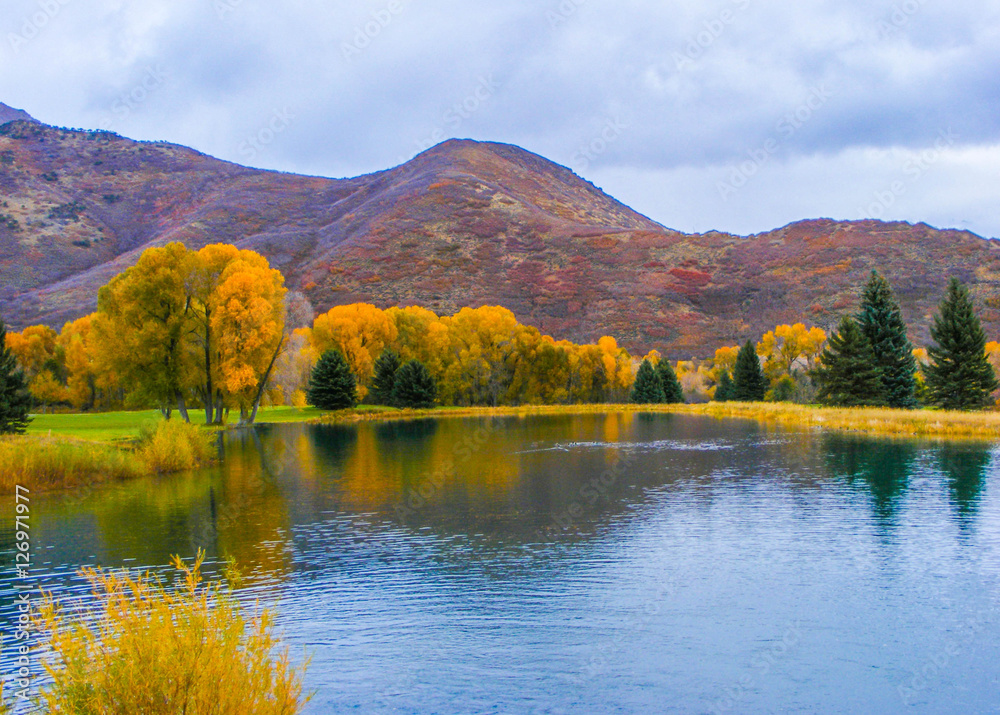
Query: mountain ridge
{"x":462,"y":223}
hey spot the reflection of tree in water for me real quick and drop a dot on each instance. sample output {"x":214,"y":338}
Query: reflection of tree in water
{"x":883,"y":466}
{"x":332,"y":443}
{"x":406,"y":431}
{"x":965,"y":467}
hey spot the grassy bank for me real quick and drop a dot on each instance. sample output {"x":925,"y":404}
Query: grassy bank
{"x":43,"y":462}
{"x":876,"y":421}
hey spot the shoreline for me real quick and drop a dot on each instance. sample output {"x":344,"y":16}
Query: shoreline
{"x":873,"y":421}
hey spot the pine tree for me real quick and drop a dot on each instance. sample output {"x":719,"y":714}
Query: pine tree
{"x":15,"y":400}
{"x":386,"y":368}
{"x":724,"y":390}
{"x":333,"y":385}
{"x":749,"y":383}
{"x":673,"y":393}
{"x":414,"y":386}
{"x":882,"y":323}
{"x":959,"y":376}
{"x":647,"y":390}
{"x":848,"y":375}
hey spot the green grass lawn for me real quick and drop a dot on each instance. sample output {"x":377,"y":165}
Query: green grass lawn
{"x":111,"y":426}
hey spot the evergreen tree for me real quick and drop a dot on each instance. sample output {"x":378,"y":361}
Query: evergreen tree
{"x":749,"y":383}
{"x":848,"y":375}
{"x":647,"y":390}
{"x":333,"y":385}
{"x":882,"y":323}
{"x":414,"y":386}
{"x":959,"y":376}
{"x":673,"y":393}
{"x":386,"y":368}
{"x":724,"y":390}
{"x":15,"y":400}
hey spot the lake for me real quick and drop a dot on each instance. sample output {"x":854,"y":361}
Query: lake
{"x":622,"y":563}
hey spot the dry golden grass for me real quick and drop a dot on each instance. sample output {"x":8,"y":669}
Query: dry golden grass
{"x":143,"y":647}
{"x":45,"y":463}
{"x":878,"y":421}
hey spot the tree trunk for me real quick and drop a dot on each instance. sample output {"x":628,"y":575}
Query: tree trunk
{"x":263,"y":381}
{"x":218,"y":410}
{"x":182,"y":407}
{"x":208,"y":367}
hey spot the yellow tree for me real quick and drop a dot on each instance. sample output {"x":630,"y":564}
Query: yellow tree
{"x":483,"y":355}
{"x":421,"y":335}
{"x":617,"y":368}
{"x":145,"y":318}
{"x":787,"y":344}
{"x":361,"y":332}
{"x":249,"y":320}
{"x":86,"y":383}
{"x":38,"y":352}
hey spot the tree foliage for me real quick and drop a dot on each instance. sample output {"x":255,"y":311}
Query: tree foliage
{"x":673,"y":393}
{"x":959,"y":376}
{"x":333,"y":385}
{"x":882,"y":323}
{"x":386,"y":367}
{"x":413,"y":386}
{"x":749,"y":383}
{"x":648,"y":389}
{"x":848,"y":375}
{"x":725,"y":390}
{"x":15,"y":400}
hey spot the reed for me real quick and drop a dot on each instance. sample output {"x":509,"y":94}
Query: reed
{"x":42,"y":463}
{"x":145,"y":647}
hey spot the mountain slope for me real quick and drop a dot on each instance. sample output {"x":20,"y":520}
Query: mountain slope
{"x":464,"y":223}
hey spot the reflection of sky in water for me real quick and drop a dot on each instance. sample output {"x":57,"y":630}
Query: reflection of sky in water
{"x":585,"y":563}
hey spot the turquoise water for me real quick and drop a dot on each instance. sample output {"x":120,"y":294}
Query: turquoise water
{"x":578,"y":564}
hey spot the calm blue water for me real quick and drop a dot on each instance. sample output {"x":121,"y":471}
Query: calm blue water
{"x":595,"y":563}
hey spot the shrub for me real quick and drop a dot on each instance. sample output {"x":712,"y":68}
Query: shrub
{"x":144,"y":647}
{"x":174,"y":446}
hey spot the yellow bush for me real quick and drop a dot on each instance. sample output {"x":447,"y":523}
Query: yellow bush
{"x":174,"y":446}
{"x":148,"y":648}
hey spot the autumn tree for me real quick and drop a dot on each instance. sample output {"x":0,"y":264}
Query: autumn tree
{"x":848,"y":374}
{"x":145,"y":324}
{"x":15,"y":400}
{"x":882,"y":323}
{"x":413,"y":386}
{"x":749,"y":383}
{"x":333,"y":385}
{"x":249,"y":321}
{"x":959,"y":376}
{"x":360,"y":332}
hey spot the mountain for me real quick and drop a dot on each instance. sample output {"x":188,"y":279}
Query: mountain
{"x":463,"y":224}
{"x":9,"y":114}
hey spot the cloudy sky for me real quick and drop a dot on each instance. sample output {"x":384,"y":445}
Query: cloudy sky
{"x":740,"y":115}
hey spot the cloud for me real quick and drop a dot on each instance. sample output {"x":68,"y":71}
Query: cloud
{"x":692,"y":89}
